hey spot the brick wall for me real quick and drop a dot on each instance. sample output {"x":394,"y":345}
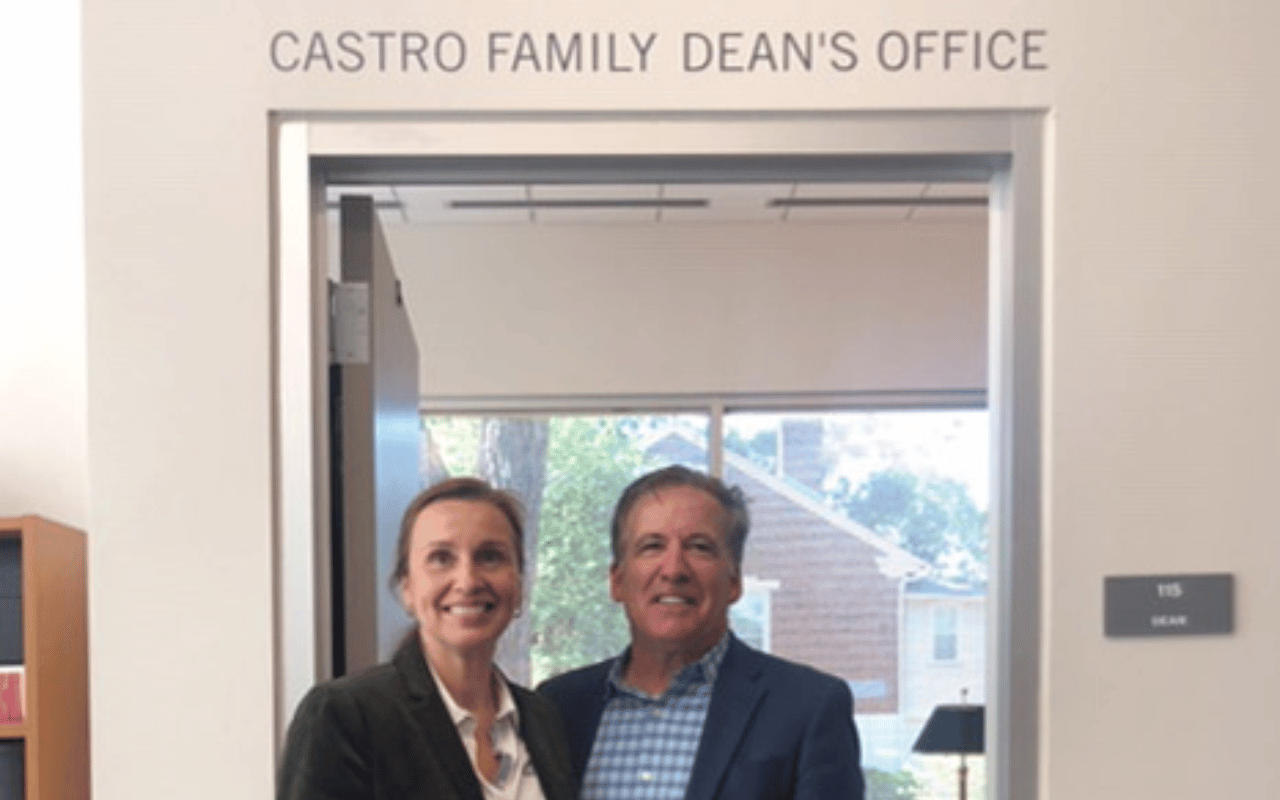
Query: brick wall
{"x":833,"y":609}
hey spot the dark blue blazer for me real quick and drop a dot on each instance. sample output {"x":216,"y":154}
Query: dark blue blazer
{"x":774,"y":729}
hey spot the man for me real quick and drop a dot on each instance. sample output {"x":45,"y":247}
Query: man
{"x":688,"y":711}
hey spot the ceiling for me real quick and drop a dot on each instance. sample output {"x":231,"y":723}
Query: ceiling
{"x":443,"y":204}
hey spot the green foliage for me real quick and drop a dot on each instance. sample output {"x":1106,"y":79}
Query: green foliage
{"x":933,"y":518}
{"x":589,"y":462}
{"x":900,"y":785}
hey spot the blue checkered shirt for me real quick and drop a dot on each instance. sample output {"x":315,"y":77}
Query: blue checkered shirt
{"x":645,"y":746}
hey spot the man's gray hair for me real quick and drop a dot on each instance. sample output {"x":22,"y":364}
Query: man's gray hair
{"x":731,"y":500}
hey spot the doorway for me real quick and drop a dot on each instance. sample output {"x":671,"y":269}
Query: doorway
{"x":1001,"y":149}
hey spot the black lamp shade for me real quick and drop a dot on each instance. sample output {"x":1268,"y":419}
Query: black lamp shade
{"x":953,"y":729}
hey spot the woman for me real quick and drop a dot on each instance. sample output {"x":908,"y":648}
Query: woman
{"x":440,"y":721}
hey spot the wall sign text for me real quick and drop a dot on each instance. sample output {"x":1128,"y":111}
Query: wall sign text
{"x":516,"y":52}
{"x":1168,"y":605}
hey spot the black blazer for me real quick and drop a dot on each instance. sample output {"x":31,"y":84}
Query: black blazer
{"x":386,"y":735}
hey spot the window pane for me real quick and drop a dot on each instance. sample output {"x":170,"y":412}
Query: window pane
{"x":750,"y":616}
{"x":872,"y":525}
{"x":944,"y":633}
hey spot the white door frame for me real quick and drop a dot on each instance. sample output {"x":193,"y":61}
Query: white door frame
{"x":1007,"y":145}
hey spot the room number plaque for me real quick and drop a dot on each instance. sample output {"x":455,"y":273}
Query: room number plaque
{"x":1168,"y":605}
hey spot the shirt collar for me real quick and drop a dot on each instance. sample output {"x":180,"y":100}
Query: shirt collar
{"x":462,"y":717}
{"x":704,"y":670}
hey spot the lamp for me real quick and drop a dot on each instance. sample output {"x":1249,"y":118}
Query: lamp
{"x":955,"y":729}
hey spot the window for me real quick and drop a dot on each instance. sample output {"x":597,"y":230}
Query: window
{"x":868,"y":538}
{"x":751,"y":617}
{"x":945,"y":634}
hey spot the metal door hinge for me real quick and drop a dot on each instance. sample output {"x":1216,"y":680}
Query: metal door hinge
{"x":349,"y":323}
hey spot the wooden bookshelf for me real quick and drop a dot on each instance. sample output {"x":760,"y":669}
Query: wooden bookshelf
{"x":55,"y":656}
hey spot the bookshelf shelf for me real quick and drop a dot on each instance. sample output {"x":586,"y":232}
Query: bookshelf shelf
{"x":43,"y":628}
{"x":14,"y":731}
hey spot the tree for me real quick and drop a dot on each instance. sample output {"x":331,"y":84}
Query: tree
{"x":575,"y":622}
{"x":900,"y":785}
{"x":933,"y":518}
{"x":512,"y":453}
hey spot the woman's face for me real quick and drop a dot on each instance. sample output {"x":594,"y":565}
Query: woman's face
{"x":463,"y":583}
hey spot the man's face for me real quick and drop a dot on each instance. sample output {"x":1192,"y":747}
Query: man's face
{"x":676,"y":577}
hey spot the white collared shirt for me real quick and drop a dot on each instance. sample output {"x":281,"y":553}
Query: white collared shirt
{"x":517,"y":779}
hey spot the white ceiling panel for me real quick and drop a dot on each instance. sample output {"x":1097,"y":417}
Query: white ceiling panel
{"x":435,"y":205}
{"x":580,"y":203}
{"x":725,"y":202}
{"x":574,"y":216}
{"x":847,"y":213}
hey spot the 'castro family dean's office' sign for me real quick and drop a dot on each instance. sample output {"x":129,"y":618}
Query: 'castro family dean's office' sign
{"x":517,"y":52}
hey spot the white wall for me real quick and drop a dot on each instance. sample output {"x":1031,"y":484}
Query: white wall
{"x":1161,"y":380}
{"x":1164,"y":385}
{"x":43,"y":455}
{"x":685,"y":308}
